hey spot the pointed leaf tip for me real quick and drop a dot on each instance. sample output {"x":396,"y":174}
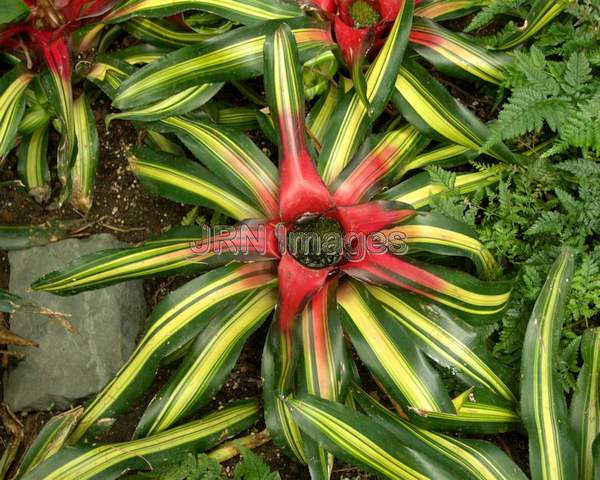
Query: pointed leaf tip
{"x":302,"y":189}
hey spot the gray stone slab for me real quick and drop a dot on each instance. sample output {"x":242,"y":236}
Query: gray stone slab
{"x":68,"y":366}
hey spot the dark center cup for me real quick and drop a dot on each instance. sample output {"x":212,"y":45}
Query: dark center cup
{"x":363,"y":14}
{"x":316,"y":241}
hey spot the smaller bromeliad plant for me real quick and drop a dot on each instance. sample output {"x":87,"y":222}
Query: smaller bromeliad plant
{"x":41,"y":44}
{"x":400,"y":313}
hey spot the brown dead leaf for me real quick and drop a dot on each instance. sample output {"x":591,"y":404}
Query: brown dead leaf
{"x":9,"y":338}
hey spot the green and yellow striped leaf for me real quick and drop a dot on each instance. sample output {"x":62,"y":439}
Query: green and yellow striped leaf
{"x":141,"y":54}
{"x":585,"y":404}
{"x":12,"y":107}
{"x":596,"y":454}
{"x":237,"y":118}
{"x":320,"y":115}
{"x":50,"y":439}
{"x":478,"y":411}
{"x":542,"y":12}
{"x":449,"y":155}
{"x":182,"y":251}
{"x":552,"y":447}
{"x":108,"y":73}
{"x":57,"y":83}
{"x":185,"y":181}
{"x":163,"y":33}
{"x":441,"y":10}
{"x":301,"y":188}
{"x":88,"y":153}
{"x":477,"y":301}
{"x":161,"y":142}
{"x":206,"y":23}
{"x":457,"y":55}
{"x":352,"y":119}
{"x":358,"y":440}
{"x":35,"y":118}
{"x":266,"y":125}
{"x":441,"y":235}
{"x":236,"y":55}
{"x":177,"y":320}
{"x":380,"y":162}
{"x":279,"y":360}
{"x":33,"y":164}
{"x":16,"y":237}
{"x":247,"y":12}
{"x":207,"y":363}
{"x":183,"y":102}
{"x":232,"y":156}
{"x":109,"y":37}
{"x":172,"y":253}
{"x":110,"y":461}
{"x":420,"y":189}
{"x":425,"y":103}
{"x":390,"y":353}
{"x":318,"y":73}
{"x":447,"y":340}
{"x":324,"y":370}
{"x":36,"y":96}
{"x":467,"y":459}
{"x":87,"y":37}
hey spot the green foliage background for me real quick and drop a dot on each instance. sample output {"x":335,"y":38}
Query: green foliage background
{"x":552,"y":105}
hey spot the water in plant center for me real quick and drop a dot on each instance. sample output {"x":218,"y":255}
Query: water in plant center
{"x":316,"y":241}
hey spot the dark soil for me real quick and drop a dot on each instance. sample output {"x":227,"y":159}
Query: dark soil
{"x":120,"y":207}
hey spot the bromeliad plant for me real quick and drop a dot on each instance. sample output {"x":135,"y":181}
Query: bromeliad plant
{"x":400,"y":313}
{"x":563,"y":442}
{"x":42,"y":43}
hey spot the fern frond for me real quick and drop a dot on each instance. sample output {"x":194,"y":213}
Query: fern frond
{"x":579,"y":168}
{"x":495,"y":8}
{"x":548,"y":222}
{"x":441,"y":176}
{"x":578,"y":74}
